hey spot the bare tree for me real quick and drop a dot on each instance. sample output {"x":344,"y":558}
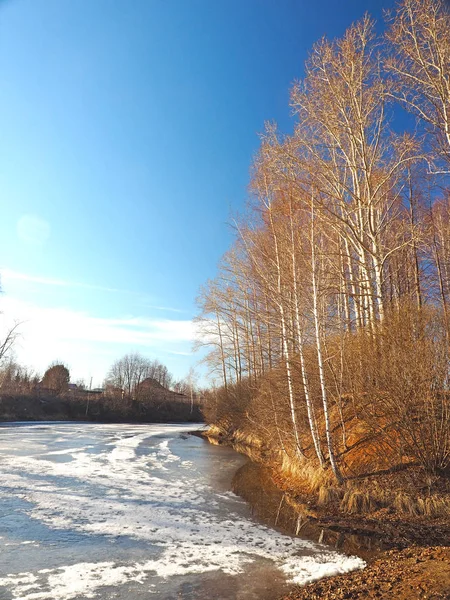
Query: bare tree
{"x":8,"y":338}
{"x":8,"y":341}
{"x":420,"y":63}
{"x":340,"y":248}
{"x":129,"y":372}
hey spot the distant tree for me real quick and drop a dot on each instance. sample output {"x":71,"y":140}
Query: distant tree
{"x":188,"y":386}
{"x":9,"y":370}
{"x":131,"y":370}
{"x":192,"y":378}
{"x":181,"y":387}
{"x":160,"y":373}
{"x":17,"y":378}
{"x":8,"y":336}
{"x":128,"y":372}
{"x":7,"y":341}
{"x":56,"y":378}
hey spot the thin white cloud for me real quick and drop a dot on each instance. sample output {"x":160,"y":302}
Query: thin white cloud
{"x":69,"y":324}
{"x":10,"y":275}
{"x":85,"y":341}
{"x":165,"y":308}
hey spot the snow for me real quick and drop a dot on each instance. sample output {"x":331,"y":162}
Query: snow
{"x":82,"y":579}
{"x":135,"y":487}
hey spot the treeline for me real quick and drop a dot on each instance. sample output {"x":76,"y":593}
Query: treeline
{"x":136,"y":389}
{"x":328,"y":323}
{"x":95,"y":407}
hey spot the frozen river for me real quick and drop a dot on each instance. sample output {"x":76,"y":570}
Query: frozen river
{"x":133,"y":512}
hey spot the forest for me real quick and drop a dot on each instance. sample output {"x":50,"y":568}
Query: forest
{"x":328,"y":324}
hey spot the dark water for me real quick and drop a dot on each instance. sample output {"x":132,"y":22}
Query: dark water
{"x":133,"y":512}
{"x":271,"y":506}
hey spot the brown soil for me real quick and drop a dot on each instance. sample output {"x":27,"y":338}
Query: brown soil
{"x":392,"y":530}
{"x":410,"y":555}
{"x":410,"y":574}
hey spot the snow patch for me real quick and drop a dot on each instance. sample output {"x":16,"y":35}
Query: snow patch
{"x":82,"y":579}
{"x":135,"y":487}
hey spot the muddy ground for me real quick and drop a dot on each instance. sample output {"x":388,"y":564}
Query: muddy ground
{"x":411,"y":560}
{"x":411,"y":574}
{"x":408,"y":557}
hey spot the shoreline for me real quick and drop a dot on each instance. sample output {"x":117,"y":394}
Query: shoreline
{"x":414,"y":573}
{"x":72,"y":408}
{"x":408,"y":557}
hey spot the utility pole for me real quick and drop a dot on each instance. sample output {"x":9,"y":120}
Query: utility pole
{"x":88,"y":396}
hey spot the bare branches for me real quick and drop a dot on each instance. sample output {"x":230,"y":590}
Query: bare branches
{"x":8,"y":341}
{"x":419,"y":62}
{"x":337,"y":248}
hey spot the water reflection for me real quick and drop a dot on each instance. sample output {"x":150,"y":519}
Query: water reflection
{"x":273,"y":507}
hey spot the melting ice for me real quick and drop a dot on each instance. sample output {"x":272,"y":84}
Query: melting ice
{"x":122,"y":511}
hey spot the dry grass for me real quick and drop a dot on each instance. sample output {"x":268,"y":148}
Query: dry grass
{"x":358,"y":502}
{"x":328,"y":494}
{"x":215,"y":431}
{"x":362,"y":496}
{"x":361,"y":501}
{"x":437,"y":506}
{"x":303,"y":473}
{"x":431,"y":506}
{"x":213,"y":440}
{"x":247,"y":438}
{"x":243,"y":442}
{"x":405,"y":504}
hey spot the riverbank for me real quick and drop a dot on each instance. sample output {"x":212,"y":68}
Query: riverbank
{"x":410,"y":574}
{"x":97,"y":409}
{"x":407,"y":553}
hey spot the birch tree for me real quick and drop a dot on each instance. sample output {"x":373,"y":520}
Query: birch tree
{"x":420,"y":64}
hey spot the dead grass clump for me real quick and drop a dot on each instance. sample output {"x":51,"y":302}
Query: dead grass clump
{"x":358,"y":502}
{"x":431,"y":506}
{"x":328,"y":494}
{"x":213,"y":440}
{"x":436,"y":506}
{"x":249,"y":439}
{"x":303,"y":473}
{"x":214,"y":431}
{"x":405,"y":504}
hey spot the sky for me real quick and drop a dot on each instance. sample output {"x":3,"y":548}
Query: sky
{"x":127,"y":131}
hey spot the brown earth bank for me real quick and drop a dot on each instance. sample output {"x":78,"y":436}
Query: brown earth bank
{"x":411,"y":574}
{"x":408,"y":554}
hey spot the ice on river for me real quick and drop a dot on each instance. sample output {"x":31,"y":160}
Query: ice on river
{"x":121,"y":511}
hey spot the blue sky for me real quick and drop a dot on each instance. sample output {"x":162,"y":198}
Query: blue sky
{"x":127,"y":132}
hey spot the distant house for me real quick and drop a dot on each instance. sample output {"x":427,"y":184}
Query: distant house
{"x":113,"y":391}
{"x":81,"y":391}
{"x":152,"y":384}
{"x":151,"y":389}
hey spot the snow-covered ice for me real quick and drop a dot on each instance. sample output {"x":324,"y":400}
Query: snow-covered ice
{"x":132,"y":509}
